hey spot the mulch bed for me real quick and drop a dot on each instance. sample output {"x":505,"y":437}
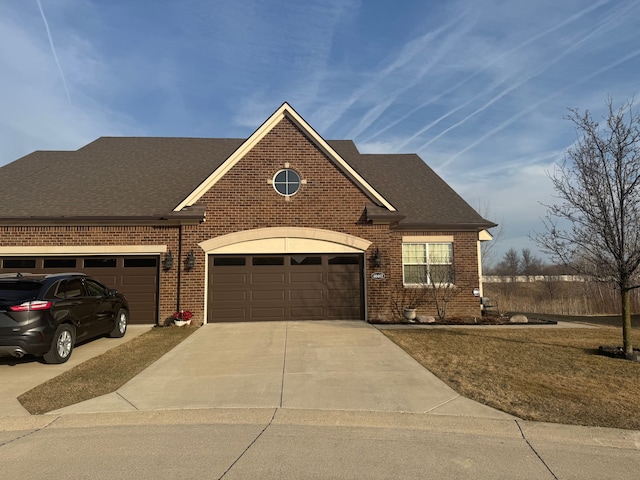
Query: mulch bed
{"x":483,"y":320}
{"x":617,"y":352}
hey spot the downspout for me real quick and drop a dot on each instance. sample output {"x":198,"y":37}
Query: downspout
{"x":480,"y":283}
{"x":179,"y":268}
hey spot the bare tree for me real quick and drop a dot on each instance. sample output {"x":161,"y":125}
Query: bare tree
{"x":595,"y":227}
{"x":529,"y":263}
{"x":407,"y":297}
{"x":509,"y":266}
{"x":444,"y":284}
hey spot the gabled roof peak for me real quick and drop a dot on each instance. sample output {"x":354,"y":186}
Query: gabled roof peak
{"x":287,"y":111}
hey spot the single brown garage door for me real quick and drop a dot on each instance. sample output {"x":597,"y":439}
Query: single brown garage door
{"x":136,"y":277}
{"x":285,"y":287}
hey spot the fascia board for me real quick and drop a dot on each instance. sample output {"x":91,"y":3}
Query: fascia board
{"x":485,"y":236}
{"x":235,"y":157}
{"x":332,"y":153}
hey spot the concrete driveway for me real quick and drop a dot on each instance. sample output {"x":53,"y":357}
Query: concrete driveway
{"x":332,"y":365}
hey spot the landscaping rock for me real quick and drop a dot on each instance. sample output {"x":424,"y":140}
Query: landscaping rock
{"x":519,"y":319}
{"x":425,"y":319}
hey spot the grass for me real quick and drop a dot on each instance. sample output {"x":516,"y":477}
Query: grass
{"x":105,"y":373}
{"x":550,"y":375}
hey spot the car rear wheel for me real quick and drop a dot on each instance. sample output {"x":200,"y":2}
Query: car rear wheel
{"x":62,"y":344}
{"x":120,"y":328}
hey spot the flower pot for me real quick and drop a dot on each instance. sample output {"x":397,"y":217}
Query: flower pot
{"x":409,"y":313}
{"x":181,"y":323}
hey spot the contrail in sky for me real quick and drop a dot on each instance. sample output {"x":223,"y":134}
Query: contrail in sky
{"x":574,"y":46}
{"x":505,"y":54}
{"x":531,"y":108}
{"x":55,"y":56}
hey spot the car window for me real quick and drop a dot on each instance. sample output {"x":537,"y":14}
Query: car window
{"x":74,"y":288}
{"x":56,"y":290}
{"x":94,"y":288}
{"x":16,"y":291}
{"x":71,"y":288}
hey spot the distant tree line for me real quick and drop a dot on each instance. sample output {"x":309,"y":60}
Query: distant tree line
{"x":514,"y":263}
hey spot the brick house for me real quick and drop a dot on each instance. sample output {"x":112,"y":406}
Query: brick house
{"x":283,"y":225}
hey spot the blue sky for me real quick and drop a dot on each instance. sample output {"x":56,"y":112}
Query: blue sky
{"x":478,"y":88}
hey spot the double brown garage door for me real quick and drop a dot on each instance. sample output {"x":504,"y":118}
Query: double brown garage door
{"x":135,"y":277}
{"x":285,"y":287}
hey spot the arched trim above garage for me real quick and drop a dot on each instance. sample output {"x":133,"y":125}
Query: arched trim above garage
{"x":285,"y":240}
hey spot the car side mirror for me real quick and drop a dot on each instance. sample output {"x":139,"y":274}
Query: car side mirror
{"x":112,"y":292}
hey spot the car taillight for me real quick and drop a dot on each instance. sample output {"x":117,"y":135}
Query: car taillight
{"x":29,"y":306}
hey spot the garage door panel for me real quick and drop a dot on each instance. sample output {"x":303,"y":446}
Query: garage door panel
{"x":334,"y":294}
{"x":228,"y":278}
{"x":234,"y":314}
{"x":307,"y":313}
{"x":106,"y":279}
{"x":230,"y":296}
{"x":138,"y":293}
{"x":317,"y":287}
{"x":142,"y":310}
{"x":137,"y":286}
{"x":262,"y":295}
{"x":337,"y":295}
{"x":342,"y":277}
{"x":138,"y":280}
{"x":283,"y":288}
{"x":341,"y":313}
{"x":297,"y":277}
{"x":274,"y":313}
{"x":344,"y":303}
{"x":307,"y":286}
{"x":267,"y":278}
{"x":316,"y":294}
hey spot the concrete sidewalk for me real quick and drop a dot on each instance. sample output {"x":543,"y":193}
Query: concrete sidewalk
{"x":332,"y":365}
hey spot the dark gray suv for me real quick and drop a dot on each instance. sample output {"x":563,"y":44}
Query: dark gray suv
{"x":47,"y":315}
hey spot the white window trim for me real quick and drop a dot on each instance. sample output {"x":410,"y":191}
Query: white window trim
{"x":287,"y":182}
{"x":438,"y":241}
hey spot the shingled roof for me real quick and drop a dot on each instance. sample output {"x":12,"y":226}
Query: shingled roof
{"x":413,"y":188}
{"x":146,"y":178}
{"x":110,"y":177}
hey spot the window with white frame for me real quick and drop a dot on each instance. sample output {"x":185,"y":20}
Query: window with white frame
{"x":427,"y":263}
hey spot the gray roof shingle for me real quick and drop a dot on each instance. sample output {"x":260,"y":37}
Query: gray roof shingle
{"x":112,"y":177}
{"x":413,"y":188}
{"x":145,"y":177}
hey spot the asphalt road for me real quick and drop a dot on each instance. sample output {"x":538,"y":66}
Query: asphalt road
{"x":306,"y":444}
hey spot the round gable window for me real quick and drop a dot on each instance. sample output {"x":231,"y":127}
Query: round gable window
{"x":286,"y":182}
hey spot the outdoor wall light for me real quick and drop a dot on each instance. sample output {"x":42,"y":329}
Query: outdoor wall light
{"x":377,"y":258}
{"x":167,"y":263}
{"x":190,"y":260}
